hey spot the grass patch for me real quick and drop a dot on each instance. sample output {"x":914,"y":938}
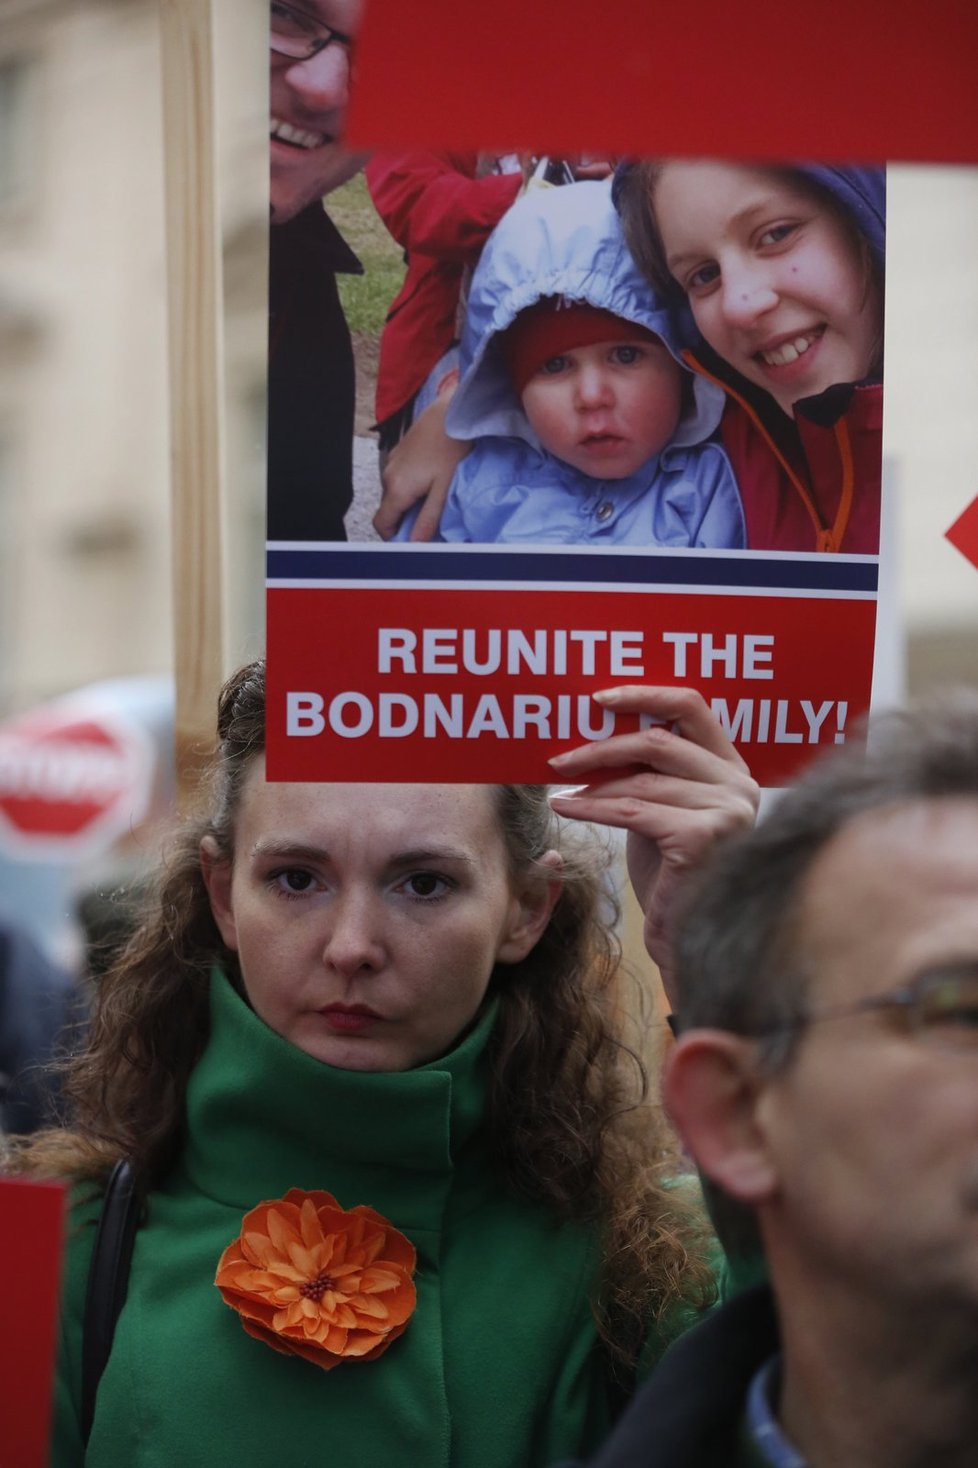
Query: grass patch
{"x":366,"y":297}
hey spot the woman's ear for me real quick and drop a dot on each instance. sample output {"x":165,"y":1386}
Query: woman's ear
{"x":711,"y":1087}
{"x":532,"y":908}
{"x":216,"y":871}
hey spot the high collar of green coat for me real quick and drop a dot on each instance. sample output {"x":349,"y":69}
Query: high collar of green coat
{"x":260,"y":1111}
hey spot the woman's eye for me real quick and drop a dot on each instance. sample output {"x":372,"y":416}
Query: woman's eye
{"x":776,"y":234}
{"x":626,"y":355}
{"x":426,"y":885}
{"x":293,"y":881}
{"x":553,"y":366}
{"x":702,"y":277}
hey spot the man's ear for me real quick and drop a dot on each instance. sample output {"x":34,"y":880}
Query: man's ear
{"x":711,"y":1088}
{"x":216,"y":872}
{"x":531,"y":908}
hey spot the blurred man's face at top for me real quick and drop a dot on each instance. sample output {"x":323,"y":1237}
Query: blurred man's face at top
{"x":309,"y":94}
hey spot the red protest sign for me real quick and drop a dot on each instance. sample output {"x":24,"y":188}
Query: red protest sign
{"x":765,"y":80}
{"x":369,"y":677}
{"x":71,"y":780}
{"x":31,"y":1224}
{"x":459,"y":680}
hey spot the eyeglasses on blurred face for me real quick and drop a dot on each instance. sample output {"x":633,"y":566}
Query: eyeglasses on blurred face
{"x":297,"y":34}
{"x":939,"y":1007}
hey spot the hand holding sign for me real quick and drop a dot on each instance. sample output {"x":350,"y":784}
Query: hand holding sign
{"x":676,"y":790}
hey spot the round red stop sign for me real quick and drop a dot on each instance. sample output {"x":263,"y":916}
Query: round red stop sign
{"x":71,"y":781}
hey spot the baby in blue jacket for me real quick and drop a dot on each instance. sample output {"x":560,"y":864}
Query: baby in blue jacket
{"x":585,"y":425}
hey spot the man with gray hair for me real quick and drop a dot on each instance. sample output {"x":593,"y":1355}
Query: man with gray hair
{"x":825,"y":1081}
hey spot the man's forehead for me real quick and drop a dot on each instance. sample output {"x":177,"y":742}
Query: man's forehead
{"x":924,"y":827}
{"x":895,"y":889}
{"x":343,"y":14}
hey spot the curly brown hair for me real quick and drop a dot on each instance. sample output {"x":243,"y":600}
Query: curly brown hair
{"x":570,"y":1121}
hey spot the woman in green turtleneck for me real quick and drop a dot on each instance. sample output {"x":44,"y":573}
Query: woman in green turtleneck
{"x":364,"y":1056}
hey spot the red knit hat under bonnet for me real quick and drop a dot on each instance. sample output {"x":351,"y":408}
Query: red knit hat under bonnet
{"x":554,"y":325}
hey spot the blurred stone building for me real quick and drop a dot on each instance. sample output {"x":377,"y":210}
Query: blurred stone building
{"x":84,"y":461}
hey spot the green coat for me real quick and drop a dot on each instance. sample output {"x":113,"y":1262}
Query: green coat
{"x":499,"y":1366}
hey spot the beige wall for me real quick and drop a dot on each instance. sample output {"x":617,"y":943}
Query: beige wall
{"x":82,"y":399}
{"x":931,"y":412}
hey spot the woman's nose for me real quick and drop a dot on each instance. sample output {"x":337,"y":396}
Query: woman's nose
{"x":747,"y":294}
{"x":322,"y":82}
{"x":353,"y":941}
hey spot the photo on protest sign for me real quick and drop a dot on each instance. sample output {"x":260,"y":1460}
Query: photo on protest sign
{"x":631,"y":417}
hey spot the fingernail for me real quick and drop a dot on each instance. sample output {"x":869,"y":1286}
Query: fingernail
{"x":568,"y":794}
{"x":605,"y":695}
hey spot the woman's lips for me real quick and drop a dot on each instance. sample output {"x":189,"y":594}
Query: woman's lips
{"x":788,"y":350}
{"x":349,"y":1018}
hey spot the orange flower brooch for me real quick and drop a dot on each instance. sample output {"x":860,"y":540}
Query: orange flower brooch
{"x":312,"y":1279}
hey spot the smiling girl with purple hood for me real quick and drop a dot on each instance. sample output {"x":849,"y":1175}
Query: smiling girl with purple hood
{"x":782,"y":270}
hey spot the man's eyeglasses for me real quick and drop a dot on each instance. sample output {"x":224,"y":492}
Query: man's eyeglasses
{"x":939,"y":1007}
{"x":298,"y":35}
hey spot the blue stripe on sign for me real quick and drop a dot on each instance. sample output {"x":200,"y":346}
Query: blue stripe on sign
{"x":356,"y":563}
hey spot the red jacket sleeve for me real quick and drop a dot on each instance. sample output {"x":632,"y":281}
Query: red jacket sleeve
{"x":433,"y":204}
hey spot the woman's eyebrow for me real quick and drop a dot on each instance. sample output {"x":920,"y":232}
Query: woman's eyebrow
{"x":286,"y":849}
{"x":746,"y":215}
{"x":676,"y":262}
{"x":432,"y":855}
{"x":767,"y":209}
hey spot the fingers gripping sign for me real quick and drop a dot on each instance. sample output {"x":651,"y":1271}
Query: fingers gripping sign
{"x":677,"y":787}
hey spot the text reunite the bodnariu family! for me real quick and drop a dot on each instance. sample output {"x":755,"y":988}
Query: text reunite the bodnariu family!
{"x":468,"y":711}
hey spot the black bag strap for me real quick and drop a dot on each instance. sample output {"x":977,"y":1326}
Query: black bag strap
{"x":108,"y":1281}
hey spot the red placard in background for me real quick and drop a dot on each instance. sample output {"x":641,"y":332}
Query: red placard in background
{"x":31,"y":1224}
{"x":872,"y":81}
{"x":72,"y":779}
